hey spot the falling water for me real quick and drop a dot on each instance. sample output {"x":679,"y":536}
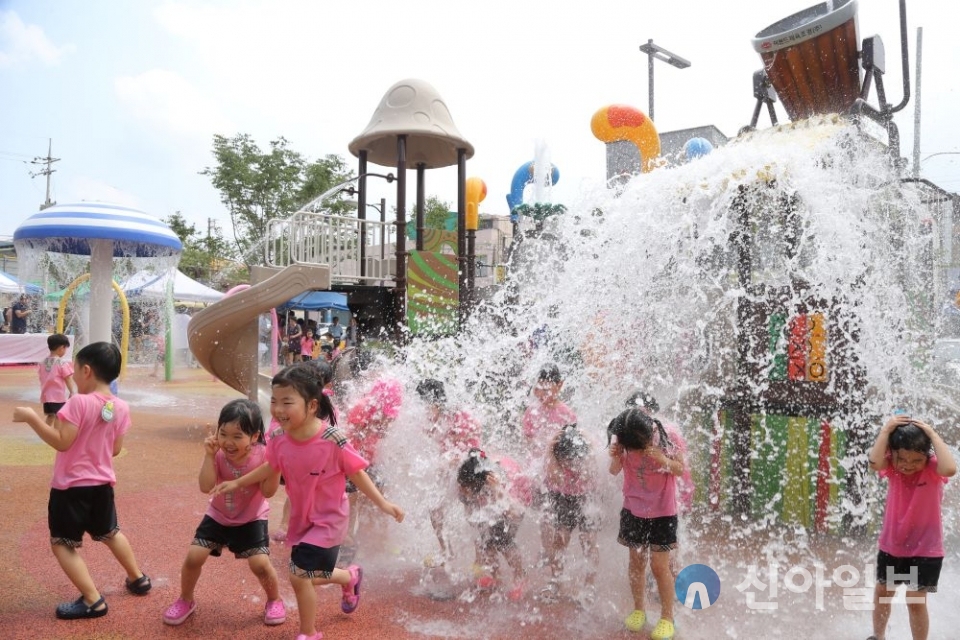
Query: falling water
{"x":639,"y":290}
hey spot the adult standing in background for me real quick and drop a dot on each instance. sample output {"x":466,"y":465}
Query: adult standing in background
{"x":336,"y":330}
{"x":352,"y":334}
{"x":20,"y":311}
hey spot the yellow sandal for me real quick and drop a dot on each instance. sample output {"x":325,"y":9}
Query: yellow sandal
{"x":663,"y":631}
{"x":635,"y":621}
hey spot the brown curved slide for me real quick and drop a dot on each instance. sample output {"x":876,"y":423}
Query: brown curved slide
{"x":224,"y":336}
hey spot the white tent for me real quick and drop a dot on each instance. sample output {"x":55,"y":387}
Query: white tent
{"x":9,"y":284}
{"x":185,"y":288}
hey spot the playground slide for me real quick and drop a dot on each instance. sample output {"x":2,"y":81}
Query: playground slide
{"x":224,"y":336}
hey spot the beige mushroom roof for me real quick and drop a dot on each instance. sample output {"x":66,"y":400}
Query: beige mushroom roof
{"x":413,"y":108}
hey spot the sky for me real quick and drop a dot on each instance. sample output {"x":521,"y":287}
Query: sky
{"x":132,"y":93}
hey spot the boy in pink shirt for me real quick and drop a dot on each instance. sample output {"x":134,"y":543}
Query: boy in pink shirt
{"x":56,"y":377}
{"x":911,"y":540}
{"x":87,"y":435}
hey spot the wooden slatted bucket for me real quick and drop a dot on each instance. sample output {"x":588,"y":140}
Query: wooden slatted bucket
{"x":811,"y":58}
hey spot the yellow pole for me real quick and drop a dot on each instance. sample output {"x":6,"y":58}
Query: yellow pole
{"x":125,"y":312}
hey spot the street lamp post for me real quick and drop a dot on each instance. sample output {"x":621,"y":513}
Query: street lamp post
{"x":655,"y":52}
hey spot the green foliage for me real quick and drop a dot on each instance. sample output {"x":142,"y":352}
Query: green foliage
{"x":435,"y":213}
{"x":257,"y":186}
{"x":539,"y":211}
{"x":202,"y":257}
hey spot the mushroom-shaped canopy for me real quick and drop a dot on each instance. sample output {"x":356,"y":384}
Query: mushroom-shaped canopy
{"x":70,"y":228}
{"x":412,"y":108}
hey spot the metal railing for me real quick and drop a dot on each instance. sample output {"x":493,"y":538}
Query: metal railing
{"x":314,"y":238}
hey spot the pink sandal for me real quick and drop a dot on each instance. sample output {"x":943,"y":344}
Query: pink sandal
{"x":351,"y":592}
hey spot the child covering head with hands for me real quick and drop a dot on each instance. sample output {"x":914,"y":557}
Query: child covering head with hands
{"x":642,"y":450}
{"x":316,"y":461}
{"x":236,"y":520}
{"x":916,"y":463}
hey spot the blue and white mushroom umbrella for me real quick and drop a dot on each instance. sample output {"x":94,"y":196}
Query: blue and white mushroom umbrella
{"x":103,"y":232}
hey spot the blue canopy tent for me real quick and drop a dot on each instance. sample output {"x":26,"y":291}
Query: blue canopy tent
{"x":317,"y":300}
{"x":12,"y":284}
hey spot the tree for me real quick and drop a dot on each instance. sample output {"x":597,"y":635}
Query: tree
{"x":257,"y":186}
{"x":435,"y":213}
{"x":202,"y":256}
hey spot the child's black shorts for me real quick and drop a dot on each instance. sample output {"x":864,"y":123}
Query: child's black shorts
{"x":500,"y":536}
{"x":569,"y":511}
{"x":52,"y":408}
{"x":918,"y":573}
{"x":311,"y":561}
{"x":78,"y":510}
{"x":660,"y":534}
{"x":244,"y":540}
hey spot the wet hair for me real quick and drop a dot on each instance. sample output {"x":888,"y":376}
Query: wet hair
{"x":103,"y":358}
{"x":305,"y":379}
{"x":634,"y":430}
{"x":474,"y":471}
{"x":643,"y":400}
{"x":550,"y":373}
{"x":571,"y":445}
{"x":324,"y":370}
{"x":57,"y":340}
{"x":910,"y":437}
{"x":432,"y":391}
{"x":246,"y":413}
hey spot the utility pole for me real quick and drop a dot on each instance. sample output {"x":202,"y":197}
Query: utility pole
{"x":48,"y":161}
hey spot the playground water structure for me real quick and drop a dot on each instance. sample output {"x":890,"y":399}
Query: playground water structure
{"x":643,"y":292}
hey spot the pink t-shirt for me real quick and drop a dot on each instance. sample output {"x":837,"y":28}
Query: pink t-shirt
{"x":306,"y":346}
{"x":243,"y":505}
{"x":541,"y":423}
{"x":648,"y":490}
{"x":89,"y":460}
{"x":53,"y":373}
{"x":462,"y":433}
{"x":316,"y":473}
{"x":912,"y":524}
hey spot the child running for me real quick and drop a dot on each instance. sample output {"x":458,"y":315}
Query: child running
{"x":87,"y":435}
{"x":457,"y":433}
{"x":490,"y":506}
{"x":911,"y":540}
{"x":236,"y":520}
{"x":570,"y":479}
{"x":316,"y":463}
{"x":369,"y":419}
{"x":542,"y":421}
{"x":56,"y":377}
{"x":650,"y":463}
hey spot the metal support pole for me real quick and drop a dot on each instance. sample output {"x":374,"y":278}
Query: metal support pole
{"x":383,"y":228}
{"x":462,"y":234}
{"x":916,"y":108}
{"x":471,"y":267}
{"x":650,"y":81}
{"x":401,"y":288}
{"x":362,"y":211}
{"x":421,"y":222}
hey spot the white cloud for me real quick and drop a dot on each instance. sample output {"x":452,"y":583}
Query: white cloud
{"x":23,"y":43}
{"x":88,"y":189}
{"x":168,"y":100}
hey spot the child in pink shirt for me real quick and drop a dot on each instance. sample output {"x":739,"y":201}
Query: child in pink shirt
{"x":911,"y":540}
{"x":316,"y":462}
{"x":87,"y":435}
{"x":306,"y":346}
{"x":642,"y":450}
{"x":56,"y":377}
{"x":542,"y":421}
{"x":456,"y":433}
{"x":236,"y":520}
{"x":570,"y":481}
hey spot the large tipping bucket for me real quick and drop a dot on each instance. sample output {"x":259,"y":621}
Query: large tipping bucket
{"x":811,"y":58}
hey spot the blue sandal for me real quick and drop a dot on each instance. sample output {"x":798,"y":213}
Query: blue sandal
{"x":80,"y":609}
{"x":140,"y":586}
